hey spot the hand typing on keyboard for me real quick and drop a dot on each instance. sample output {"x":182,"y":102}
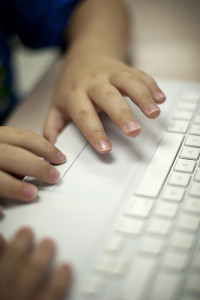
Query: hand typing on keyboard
{"x":19,"y":151}
{"x":95,"y":78}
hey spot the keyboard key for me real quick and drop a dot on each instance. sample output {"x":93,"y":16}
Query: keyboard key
{"x":187,"y":106}
{"x":192,"y":205}
{"x":115,"y":243}
{"x":197,"y":175}
{"x":130,"y":226}
{"x":190,"y":153}
{"x":179,"y":179}
{"x":196,"y":262}
{"x":175,"y":261}
{"x":137,"y":279}
{"x":111,"y":265}
{"x":165,"y":287}
{"x":183,"y":115}
{"x":159,"y":226}
{"x":160,"y":165}
{"x":193,"y":141}
{"x":195,"y":189}
{"x":197,"y":119}
{"x":182,"y":240}
{"x":165,"y":209}
{"x":195,"y":129}
{"x":191,"y":97}
{"x":178,"y":126}
{"x":173,"y":193}
{"x":139,"y":207}
{"x":193,"y":283}
{"x":185,"y":165}
{"x":188,"y":222}
{"x":151,"y":245}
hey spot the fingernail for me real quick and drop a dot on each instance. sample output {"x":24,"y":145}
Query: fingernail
{"x":132,"y":126}
{"x":104,"y":146}
{"x":54,"y":175}
{"x":30,"y":192}
{"x":160,"y":96}
{"x":153,"y":108}
{"x":61,"y":156}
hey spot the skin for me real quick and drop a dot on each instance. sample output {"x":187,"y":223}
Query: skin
{"x":20,"y":151}
{"x":24,"y":267}
{"x":95,"y":77}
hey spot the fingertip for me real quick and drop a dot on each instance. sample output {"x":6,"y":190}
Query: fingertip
{"x":159,"y":96}
{"x":103,"y":146}
{"x":30,"y":192}
{"x":153,"y":111}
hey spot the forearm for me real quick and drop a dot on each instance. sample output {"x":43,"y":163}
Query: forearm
{"x":99,"y":27}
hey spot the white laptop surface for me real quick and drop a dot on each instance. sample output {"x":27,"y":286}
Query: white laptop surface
{"x":117,"y":248}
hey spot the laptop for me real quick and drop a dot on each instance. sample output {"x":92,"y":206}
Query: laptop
{"x":128,"y":222}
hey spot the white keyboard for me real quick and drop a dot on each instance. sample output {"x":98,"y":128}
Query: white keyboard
{"x":154,"y":251}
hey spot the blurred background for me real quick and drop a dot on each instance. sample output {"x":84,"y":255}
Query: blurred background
{"x":165,"y":43}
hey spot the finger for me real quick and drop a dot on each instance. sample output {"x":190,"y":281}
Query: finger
{"x":156,"y":92}
{"x":36,"y":268}
{"x":111,"y":101}
{"x":11,"y":187}
{"x":56,"y":121}
{"x":59,"y":284}
{"x":15,"y":251}
{"x":22,"y":162}
{"x":32,"y":142}
{"x":137,"y":91}
{"x":83,"y":113}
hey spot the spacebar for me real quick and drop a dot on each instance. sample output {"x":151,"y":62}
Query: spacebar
{"x":156,"y":173}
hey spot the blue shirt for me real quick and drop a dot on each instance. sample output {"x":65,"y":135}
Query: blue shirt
{"x":38,"y":23}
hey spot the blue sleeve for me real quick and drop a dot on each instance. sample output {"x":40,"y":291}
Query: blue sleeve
{"x":38,"y":23}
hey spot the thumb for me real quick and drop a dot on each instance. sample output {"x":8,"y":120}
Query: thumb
{"x":55,"y":123}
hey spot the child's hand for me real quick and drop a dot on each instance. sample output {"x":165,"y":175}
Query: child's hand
{"x":98,"y":83}
{"x":25,"y":272}
{"x":19,"y":151}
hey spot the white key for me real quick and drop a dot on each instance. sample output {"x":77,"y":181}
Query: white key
{"x":115,"y":243}
{"x":178,"y":126}
{"x":192,"y":205}
{"x":159,"y":226}
{"x":93,"y":285}
{"x":197,"y":119}
{"x":188,"y":222}
{"x":195,"y":129}
{"x":130,"y":226}
{"x":139,"y":207}
{"x":195,"y":189}
{"x":193,"y":141}
{"x":179,"y":179}
{"x":197,"y":175}
{"x":183,"y":115}
{"x":165,"y":209}
{"x":137,"y":279}
{"x":166,"y":287}
{"x":190,"y":153}
{"x":151,"y":245}
{"x":160,"y":165}
{"x":112,"y":265}
{"x":187,"y":106}
{"x":182,"y":240}
{"x":173,"y":193}
{"x":185,"y":165}
{"x":196,"y":262}
{"x":175,"y":261}
{"x":191,"y":97}
{"x":193,"y":283}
